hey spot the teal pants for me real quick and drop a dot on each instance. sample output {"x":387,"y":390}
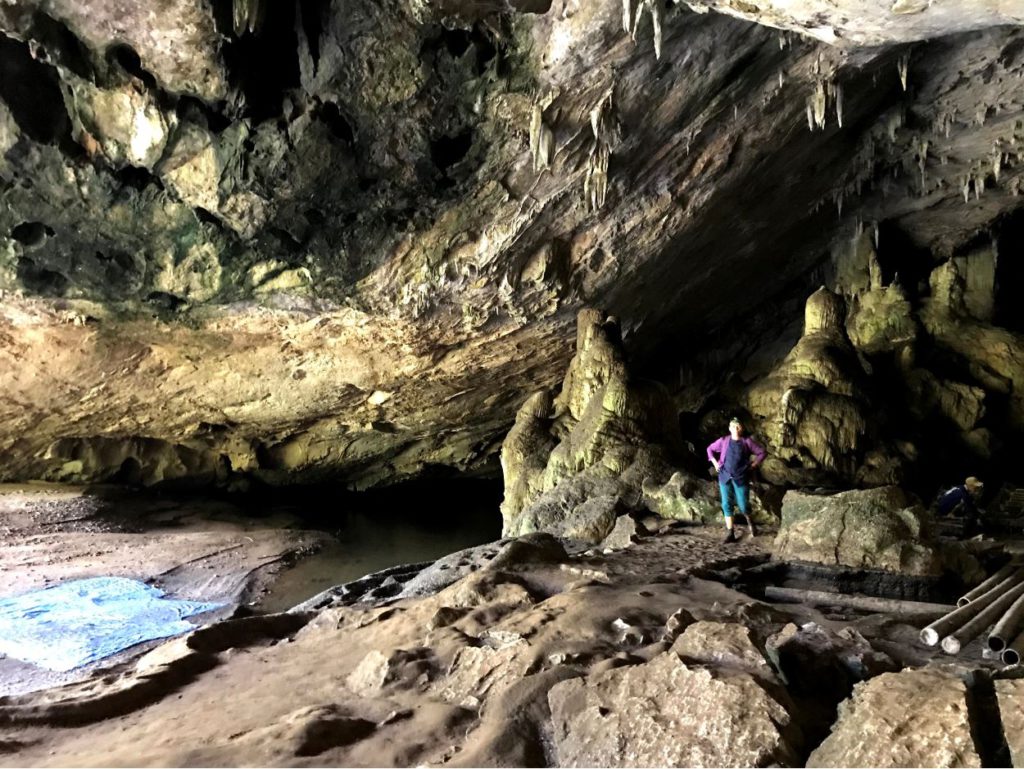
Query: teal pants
{"x":733,"y":492}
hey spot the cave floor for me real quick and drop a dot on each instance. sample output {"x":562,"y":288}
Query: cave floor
{"x":460,"y":677}
{"x":194,"y":550}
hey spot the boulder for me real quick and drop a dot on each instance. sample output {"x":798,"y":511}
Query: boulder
{"x":622,"y":536}
{"x":1010,"y":694}
{"x":721,"y":643}
{"x":872,"y":528}
{"x":538,"y":547}
{"x":667,"y":713}
{"x":682,"y":498}
{"x":911,"y":718}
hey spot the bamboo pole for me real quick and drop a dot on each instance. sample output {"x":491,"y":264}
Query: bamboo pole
{"x":1012,"y":653}
{"x":853,"y":601}
{"x":931,"y":635}
{"x":1008,"y":627}
{"x":987,"y":585}
{"x":952,"y":643}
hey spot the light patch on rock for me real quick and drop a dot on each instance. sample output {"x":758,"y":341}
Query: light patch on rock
{"x":666,"y":713}
{"x":911,"y":718}
{"x":721,"y":643}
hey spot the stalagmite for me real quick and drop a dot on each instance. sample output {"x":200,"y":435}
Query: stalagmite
{"x":931,"y":635}
{"x":1008,"y":627}
{"x":952,"y":643}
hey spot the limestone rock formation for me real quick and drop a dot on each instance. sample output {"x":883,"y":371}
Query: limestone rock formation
{"x":392,"y":211}
{"x":992,"y":356}
{"x":911,"y":718}
{"x":814,"y":407}
{"x":572,"y":465}
{"x":657,"y":714}
{"x":874,"y":528}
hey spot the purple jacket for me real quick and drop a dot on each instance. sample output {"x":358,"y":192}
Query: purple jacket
{"x":716,"y":451}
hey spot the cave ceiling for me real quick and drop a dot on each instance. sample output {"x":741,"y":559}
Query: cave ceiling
{"x":349,"y":238}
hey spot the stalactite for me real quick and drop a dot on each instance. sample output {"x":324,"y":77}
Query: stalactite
{"x":595,"y":187}
{"x":595,"y":184}
{"x":876,"y":234}
{"x":247,"y":16}
{"x":839,"y":104}
{"x":903,"y":66}
{"x":817,"y":103}
{"x":657,"y":16}
{"x":628,"y":11}
{"x":922,"y":160}
{"x":542,"y":138}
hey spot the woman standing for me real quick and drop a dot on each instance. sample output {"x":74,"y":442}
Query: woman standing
{"x":731,"y":456}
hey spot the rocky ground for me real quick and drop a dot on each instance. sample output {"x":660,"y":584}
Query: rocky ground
{"x":191,"y":550}
{"x":520,"y":654}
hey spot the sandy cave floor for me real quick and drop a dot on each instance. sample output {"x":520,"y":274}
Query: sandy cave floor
{"x":457,"y":678}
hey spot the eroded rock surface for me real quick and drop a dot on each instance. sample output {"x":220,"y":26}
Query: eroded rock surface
{"x":665,"y":713}
{"x":911,"y":718}
{"x":183,"y":195}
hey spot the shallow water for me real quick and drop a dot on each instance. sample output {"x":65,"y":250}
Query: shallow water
{"x":375,"y":531}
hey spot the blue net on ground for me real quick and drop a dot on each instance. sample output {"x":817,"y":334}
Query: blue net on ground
{"x":70,"y":625}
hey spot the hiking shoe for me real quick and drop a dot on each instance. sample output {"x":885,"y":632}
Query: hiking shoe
{"x":730,"y":536}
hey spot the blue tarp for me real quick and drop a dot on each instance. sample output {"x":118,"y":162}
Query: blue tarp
{"x":78,"y":622}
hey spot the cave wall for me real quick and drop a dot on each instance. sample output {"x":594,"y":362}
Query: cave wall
{"x":345,"y":240}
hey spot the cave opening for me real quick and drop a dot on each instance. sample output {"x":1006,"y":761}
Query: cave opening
{"x":336,"y":121}
{"x":449,"y":150}
{"x":32,"y":91}
{"x":263,"y":65}
{"x":900,"y":256}
{"x":1009,"y":281}
{"x":314,"y":17}
{"x":125,"y":57}
{"x":59,"y":43}
{"x":32,"y":234}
